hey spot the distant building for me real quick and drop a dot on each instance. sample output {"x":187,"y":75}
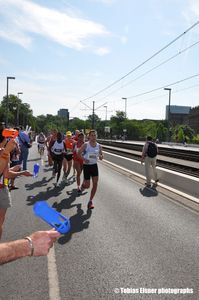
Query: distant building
{"x":64,"y":113}
{"x":194,"y":119}
{"x":178,"y":114}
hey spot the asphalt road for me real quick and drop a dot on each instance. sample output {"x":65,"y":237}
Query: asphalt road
{"x":134,"y":239}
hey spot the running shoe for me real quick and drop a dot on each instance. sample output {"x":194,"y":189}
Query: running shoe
{"x":82,"y":189}
{"x":13,"y":187}
{"x":65,"y":179}
{"x":147,"y":185}
{"x":90,"y":205}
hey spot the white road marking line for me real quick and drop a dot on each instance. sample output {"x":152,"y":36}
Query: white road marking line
{"x":54,"y":292}
{"x":191,"y":198}
{"x":42,"y":162}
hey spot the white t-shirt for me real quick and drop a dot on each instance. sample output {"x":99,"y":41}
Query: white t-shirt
{"x":91,"y":153}
{"x":58,"y":148}
{"x":41,"y":139}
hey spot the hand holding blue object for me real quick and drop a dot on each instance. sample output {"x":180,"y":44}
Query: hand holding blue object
{"x":52,"y":217}
{"x":36,"y":170}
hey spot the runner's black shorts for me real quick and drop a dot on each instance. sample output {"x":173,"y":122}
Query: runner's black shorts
{"x":90,"y":171}
{"x":57,"y":157}
{"x":68,"y":157}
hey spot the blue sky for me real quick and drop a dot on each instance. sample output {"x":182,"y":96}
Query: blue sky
{"x":63,"y":52}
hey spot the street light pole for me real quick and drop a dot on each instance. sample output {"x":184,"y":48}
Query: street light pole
{"x":106,"y":112}
{"x":93,"y":111}
{"x":7,"y":102}
{"x":125,"y":99}
{"x":169,"y":108}
{"x":19,"y":93}
{"x":93,"y":115}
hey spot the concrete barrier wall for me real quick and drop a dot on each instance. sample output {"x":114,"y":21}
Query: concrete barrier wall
{"x":184,"y":183}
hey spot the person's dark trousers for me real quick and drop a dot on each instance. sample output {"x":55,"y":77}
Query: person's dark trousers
{"x":24,"y":157}
{"x":58,"y":165}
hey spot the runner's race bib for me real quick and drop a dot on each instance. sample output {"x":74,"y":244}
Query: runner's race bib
{"x":41,"y":145}
{"x":57,"y":151}
{"x":92,"y":157}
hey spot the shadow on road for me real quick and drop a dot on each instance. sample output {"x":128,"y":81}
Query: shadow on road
{"x":33,"y":159}
{"x":78,"y":222}
{"x":149,"y":192}
{"x":70,"y":180}
{"x":66,"y":203}
{"x":45,"y":195}
{"x":47,"y":168}
{"x":37,"y":184}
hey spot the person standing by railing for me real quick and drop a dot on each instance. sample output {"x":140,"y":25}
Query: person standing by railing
{"x":149,"y":157}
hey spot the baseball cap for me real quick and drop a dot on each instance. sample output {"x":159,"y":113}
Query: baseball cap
{"x":68,"y":133}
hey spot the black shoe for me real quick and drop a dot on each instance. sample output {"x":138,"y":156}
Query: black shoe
{"x":147,"y":185}
{"x":13,"y":187}
{"x":90,"y":205}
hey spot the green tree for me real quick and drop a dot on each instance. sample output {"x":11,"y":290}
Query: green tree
{"x":120,"y":117}
{"x":195,"y":139}
{"x":132,"y":128}
{"x":188,"y":132}
{"x":116,"y":123}
{"x":16,"y":109}
{"x":180,"y":134}
{"x":96,"y":120}
{"x":161,"y":133}
{"x":77,"y":123}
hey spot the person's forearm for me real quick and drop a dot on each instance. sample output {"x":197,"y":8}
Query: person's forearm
{"x":4,"y":159}
{"x":80,"y":152}
{"x":13,"y":250}
{"x":3,"y":143}
{"x":5,"y":155}
{"x":13,"y":174}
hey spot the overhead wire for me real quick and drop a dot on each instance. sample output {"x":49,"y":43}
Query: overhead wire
{"x":141,"y":64}
{"x":150,"y":70}
{"x":162,"y":87}
{"x":161,"y":96}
